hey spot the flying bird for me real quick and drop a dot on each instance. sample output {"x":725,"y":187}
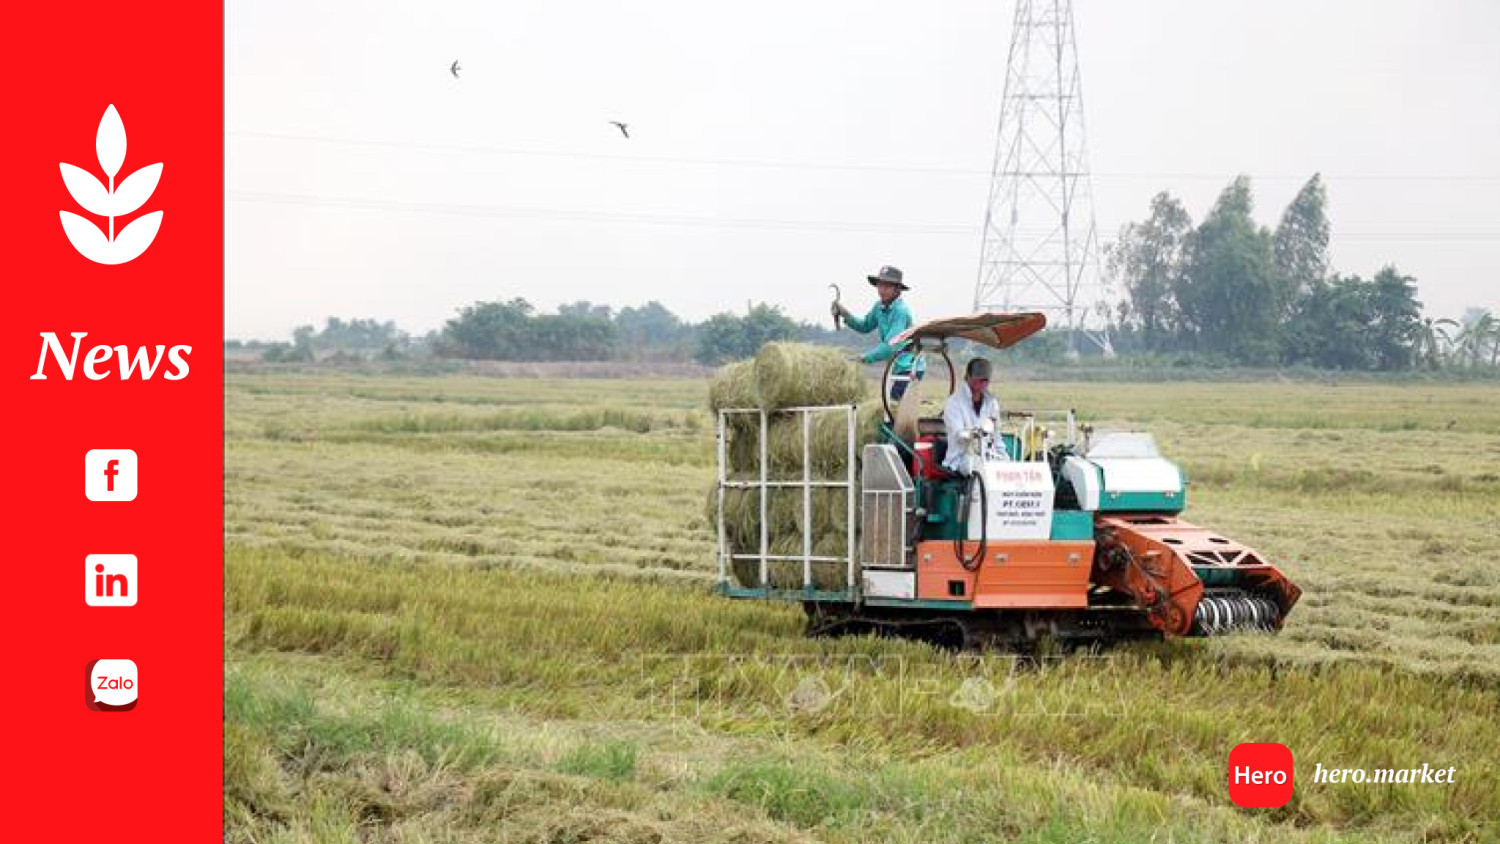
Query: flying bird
{"x":621,"y":127}
{"x":454,"y":68}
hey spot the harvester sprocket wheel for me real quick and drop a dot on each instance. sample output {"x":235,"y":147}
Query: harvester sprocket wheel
{"x":1114,"y":558}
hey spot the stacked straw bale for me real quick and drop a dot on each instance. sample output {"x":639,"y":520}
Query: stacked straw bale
{"x":734,"y":386}
{"x":784,"y":518}
{"x":786,"y":375}
{"x":799,"y":375}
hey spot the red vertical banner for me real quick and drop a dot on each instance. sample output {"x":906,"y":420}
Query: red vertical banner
{"x":111,"y":238}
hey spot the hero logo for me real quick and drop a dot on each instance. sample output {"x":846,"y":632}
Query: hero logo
{"x":141,"y":361}
{"x":109,"y":201}
{"x":1260,"y":775}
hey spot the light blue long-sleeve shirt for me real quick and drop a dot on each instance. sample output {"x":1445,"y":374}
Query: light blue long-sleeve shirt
{"x":887,"y":321}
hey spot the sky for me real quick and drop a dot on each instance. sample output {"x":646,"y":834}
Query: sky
{"x":779,"y":147}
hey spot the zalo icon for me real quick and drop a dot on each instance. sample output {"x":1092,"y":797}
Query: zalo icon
{"x":113,"y":685}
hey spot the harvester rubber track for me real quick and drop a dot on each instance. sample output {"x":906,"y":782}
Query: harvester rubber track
{"x":1013,"y":631}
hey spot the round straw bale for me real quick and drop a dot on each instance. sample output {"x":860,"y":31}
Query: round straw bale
{"x":784,"y":536}
{"x":829,"y":452}
{"x":733,"y":386}
{"x":742,"y":449}
{"x":787,"y":574}
{"x":800,"y":375}
{"x":742,"y":516}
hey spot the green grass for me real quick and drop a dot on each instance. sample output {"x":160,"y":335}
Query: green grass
{"x":466,"y":609}
{"x":610,"y":760}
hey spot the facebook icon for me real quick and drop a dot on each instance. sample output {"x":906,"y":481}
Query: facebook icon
{"x":109,"y":474}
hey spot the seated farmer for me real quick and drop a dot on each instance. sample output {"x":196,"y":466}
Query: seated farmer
{"x":887,"y":319}
{"x":965,"y":413}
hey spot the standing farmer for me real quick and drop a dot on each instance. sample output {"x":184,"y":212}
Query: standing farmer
{"x":887,"y":319}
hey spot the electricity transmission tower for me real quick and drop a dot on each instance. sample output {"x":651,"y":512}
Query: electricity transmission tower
{"x":1040,"y":250}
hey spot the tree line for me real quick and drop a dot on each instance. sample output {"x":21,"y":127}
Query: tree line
{"x":1230,"y":290}
{"x":1223,"y":291}
{"x":345,"y":339}
{"x":514,"y":330}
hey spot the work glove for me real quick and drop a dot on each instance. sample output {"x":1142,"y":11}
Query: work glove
{"x":839,"y":311}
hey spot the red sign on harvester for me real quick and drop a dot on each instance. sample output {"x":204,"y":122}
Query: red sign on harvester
{"x":111,"y":235}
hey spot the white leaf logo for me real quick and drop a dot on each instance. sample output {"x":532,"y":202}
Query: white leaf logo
{"x":109,"y":142}
{"x":108,"y":201}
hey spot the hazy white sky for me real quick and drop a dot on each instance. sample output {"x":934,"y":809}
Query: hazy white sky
{"x":780,"y":146}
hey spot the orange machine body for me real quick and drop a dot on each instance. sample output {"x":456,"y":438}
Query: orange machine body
{"x":1163,"y":563}
{"x":1014,"y":575}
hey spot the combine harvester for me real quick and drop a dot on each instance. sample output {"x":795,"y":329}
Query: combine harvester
{"x":1064,"y":532}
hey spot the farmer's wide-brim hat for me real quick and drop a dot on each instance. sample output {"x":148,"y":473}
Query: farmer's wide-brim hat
{"x":888,"y":275}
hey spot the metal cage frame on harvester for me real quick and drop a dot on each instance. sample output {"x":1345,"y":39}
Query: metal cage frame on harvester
{"x":806,"y":484}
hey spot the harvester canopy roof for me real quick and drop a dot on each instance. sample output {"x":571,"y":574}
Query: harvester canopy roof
{"x":1000,"y":331}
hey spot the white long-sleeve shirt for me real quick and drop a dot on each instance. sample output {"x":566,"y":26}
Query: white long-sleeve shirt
{"x":959,"y":416}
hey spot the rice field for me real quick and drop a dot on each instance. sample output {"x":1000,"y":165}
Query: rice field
{"x":465,"y":609}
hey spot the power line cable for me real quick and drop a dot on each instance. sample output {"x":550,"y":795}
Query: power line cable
{"x":853,"y":226}
{"x":588,"y":215}
{"x":483,"y":149}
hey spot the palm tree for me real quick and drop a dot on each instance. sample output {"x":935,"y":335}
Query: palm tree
{"x":1433,"y":339}
{"x":1478,"y":336}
